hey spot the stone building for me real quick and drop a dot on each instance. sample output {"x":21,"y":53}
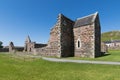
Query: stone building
{"x":87,"y":34}
{"x":13,"y":48}
{"x":29,"y":45}
{"x":79,"y":38}
{"x":113,"y":44}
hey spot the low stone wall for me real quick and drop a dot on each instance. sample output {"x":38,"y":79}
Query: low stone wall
{"x":4,"y":50}
{"x":46,"y":51}
{"x":19,"y":48}
{"x":40,"y":45}
{"x":104,"y":48}
{"x":114,"y":48}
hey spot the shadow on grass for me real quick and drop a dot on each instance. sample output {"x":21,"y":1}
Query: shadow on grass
{"x":103,"y":54}
{"x":106,"y":54}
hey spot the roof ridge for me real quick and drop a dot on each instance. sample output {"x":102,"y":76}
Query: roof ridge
{"x":95,"y":15}
{"x":86,"y":20}
{"x":60,"y":14}
{"x":87,"y":16}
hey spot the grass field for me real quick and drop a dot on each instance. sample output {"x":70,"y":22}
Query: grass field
{"x":112,"y":55}
{"x":12,"y":68}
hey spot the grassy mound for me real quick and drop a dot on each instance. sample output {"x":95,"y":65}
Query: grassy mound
{"x":107,"y":36}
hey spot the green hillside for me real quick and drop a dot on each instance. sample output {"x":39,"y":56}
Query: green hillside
{"x":107,"y":36}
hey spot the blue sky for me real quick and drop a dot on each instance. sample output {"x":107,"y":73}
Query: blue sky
{"x":19,"y":18}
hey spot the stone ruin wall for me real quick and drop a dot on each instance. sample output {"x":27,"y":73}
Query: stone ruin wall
{"x":61,"y":39}
{"x":37,"y":45}
{"x":53,"y":46}
{"x":104,"y":48}
{"x":85,"y":36}
{"x":4,"y":49}
{"x":54,"y":40}
{"x":13,"y":48}
{"x":114,"y":48}
{"x":29,"y":46}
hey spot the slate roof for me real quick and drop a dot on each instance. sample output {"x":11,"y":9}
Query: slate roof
{"x":85,"y":20}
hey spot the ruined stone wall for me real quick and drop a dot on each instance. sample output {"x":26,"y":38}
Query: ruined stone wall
{"x":84,"y":41}
{"x":17,"y":48}
{"x":67,"y":39}
{"x":53,"y":47}
{"x":31,"y":45}
{"x":11,"y":47}
{"x":54,"y":37}
{"x":40,"y":45}
{"x":61,"y":39}
{"x":114,"y":48}
{"x":113,"y":45}
{"x":4,"y":49}
{"x":104,"y":48}
{"x":46,"y":51}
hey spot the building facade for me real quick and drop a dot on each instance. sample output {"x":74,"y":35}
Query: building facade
{"x":30,"y":46}
{"x":80,"y":38}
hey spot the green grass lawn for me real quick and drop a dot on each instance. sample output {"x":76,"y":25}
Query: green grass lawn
{"x":112,"y":55}
{"x":14,"y":68}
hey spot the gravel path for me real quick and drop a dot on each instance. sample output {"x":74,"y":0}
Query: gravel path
{"x":75,"y":61}
{"x":81,"y":61}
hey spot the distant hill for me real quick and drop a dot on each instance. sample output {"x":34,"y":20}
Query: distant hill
{"x":107,"y":36}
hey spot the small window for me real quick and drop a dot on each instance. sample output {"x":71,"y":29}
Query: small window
{"x":78,"y":44}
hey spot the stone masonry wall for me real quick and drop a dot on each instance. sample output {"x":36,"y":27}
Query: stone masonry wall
{"x":84,"y":41}
{"x":67,"y":39}
{"x":36,"y":45}
{"x":4,"y":49}
{"x":29,"y":46}
{"x":104,"y":48}
{"x":46,"y":51}
{"x":53,"y":47}
{"x":81,"y":41}
{"x":61,"y":39}
{"x":54,"y":37}
{"x":97,"y":38}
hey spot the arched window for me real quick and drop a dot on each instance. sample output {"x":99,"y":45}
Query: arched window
{"x":78,"y":44}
